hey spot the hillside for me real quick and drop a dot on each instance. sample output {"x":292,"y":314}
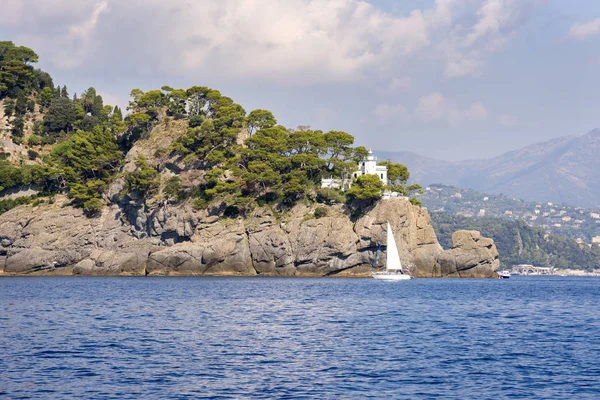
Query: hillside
{"x":189,"y":183}
{"x":520,"y":243}
{"x":560,"y":219}
{"x":563,"y":170}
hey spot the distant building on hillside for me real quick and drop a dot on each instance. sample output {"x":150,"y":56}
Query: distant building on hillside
{"x":368,"y":166}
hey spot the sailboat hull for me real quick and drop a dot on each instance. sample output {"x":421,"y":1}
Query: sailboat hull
{"x":391,"y":277}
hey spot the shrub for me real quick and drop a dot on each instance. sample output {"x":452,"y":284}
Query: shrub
{"x":195,"y":121}
{"x":160,"y":152}
{"x":92,"y":207}
{"x":9,"y":108}
{"x":32,"y":154}
{"x":320,"y":212}
{"x":18,"y":125}
{"x":34,"y":140}
{"x":173,"y":189}
{"x":30,"y":105}
{"x":143,"y":180}
{"x":415,"y":202}
{"x":330,"y":196}
{"x":200,"y":204}
{"x":366,"y":187}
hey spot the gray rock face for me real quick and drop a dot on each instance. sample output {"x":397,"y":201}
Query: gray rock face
{"x":177,"y":240}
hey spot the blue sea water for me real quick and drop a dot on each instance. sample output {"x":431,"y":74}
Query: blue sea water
{"x":177,"y":338}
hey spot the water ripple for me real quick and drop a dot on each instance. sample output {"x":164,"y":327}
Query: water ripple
{"x":230,"y":338}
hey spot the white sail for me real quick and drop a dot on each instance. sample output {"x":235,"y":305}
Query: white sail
{"x":393,"y":259}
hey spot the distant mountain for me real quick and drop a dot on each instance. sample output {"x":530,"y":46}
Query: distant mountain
{"x":563,"y":170}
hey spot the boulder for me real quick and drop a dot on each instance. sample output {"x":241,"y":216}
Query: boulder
{"x":474,"y":256}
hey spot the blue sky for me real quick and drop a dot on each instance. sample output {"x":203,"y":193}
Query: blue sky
{"x":450,"y":79}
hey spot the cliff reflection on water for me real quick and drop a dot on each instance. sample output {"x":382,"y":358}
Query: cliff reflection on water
{"x":123,"y":338}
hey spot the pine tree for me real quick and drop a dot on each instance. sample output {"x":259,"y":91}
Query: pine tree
{"x":117,"y":113}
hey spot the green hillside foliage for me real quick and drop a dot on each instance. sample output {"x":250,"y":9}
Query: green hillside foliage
{"x":243,"y":159}
{"x":519,"y":243}
{"x":17,"y":75}
{"x":558,"y":219}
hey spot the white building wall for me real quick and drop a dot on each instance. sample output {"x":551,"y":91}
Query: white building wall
{"x":369,"y":167}
{"x":366,"y":167}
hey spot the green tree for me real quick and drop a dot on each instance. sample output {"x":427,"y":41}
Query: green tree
{"x":151,"y":99}
{"x":398,"y":176}
{"x":9,"y":107}
{"x":260,"y":119}
{"x":87,"y":99}
{"x":340,"y":154}
{"x":17,"y":130}
{"x":88,"y":156}
{"x":61,"y":115}
{"x":42,"y":80}
{"x":197,"y":99}
{"x":173,"y":189}
{"x":97,"y":106}
{"x":143,"y":181}
{"x":21,"y":105}
{"x":366,"y":187}
{"x":88,"y":195}
{"x":176,"y":103}
{"x":359,"y":153}
{"x":116,"y":123}
{"x":16,"y":73}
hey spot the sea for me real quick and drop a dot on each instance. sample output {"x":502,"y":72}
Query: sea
{"x":299,"y":338}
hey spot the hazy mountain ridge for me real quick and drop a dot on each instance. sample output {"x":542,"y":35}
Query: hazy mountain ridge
{"x":562,"y":170}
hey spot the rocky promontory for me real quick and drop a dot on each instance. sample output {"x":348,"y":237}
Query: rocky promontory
{"x":57,"y":239}
{"x":190,"y":183}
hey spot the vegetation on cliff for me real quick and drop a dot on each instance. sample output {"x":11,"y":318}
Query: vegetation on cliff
{"x":78,"y":146}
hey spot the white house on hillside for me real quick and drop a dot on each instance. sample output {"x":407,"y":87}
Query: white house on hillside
{"x":368,"y":166}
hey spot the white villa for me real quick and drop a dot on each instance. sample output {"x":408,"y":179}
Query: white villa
{"x":366,"y":167}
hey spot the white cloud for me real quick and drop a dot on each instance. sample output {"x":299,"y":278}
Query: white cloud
{"x":462,"y":67}
{"x":432,"y":108}
{"x":435,"y":107}
{"x":584,"y":30}
{"x":294,"y":41}
{"x":496,"y":22}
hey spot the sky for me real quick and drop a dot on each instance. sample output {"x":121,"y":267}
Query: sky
{"x":448,"y":79}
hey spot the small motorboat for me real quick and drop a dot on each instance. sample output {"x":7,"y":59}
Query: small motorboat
{"x":504,"y":274}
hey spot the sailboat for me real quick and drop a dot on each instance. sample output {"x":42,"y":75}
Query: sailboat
{"x":393,"y":266}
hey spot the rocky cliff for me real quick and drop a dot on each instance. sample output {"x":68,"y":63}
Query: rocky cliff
{"x":56,"y":239}
{"x":155,"y":234}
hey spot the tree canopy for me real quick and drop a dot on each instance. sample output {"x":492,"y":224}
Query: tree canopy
{"x":16,"y":73}
{"x":87,"y":139}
